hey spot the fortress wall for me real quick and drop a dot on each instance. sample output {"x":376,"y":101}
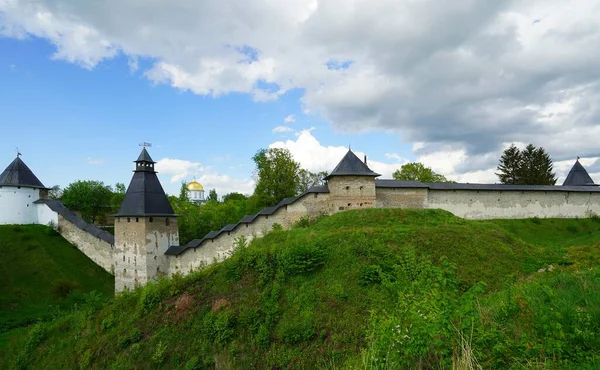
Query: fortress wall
{"x":401,"y":197}
{"x":98,"y":250}
{"x":311,"y":205}
{"x":45,"y":215}
{"x":473,"y":204}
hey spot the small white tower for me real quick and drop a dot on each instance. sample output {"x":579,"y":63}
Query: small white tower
{"x":19,"y":189}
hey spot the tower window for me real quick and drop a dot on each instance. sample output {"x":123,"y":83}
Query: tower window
{"x":128,"y":219}
{"x":137,"y":219}
{"x":151,"y":219}
{"x":167,"y":221}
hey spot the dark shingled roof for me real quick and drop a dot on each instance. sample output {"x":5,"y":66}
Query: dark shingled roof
{"x":145,"y":195}
{"x":58,"y":207}
{"x":384,"y":183}
{"x":18,"y":174}
{"x":578,"y":176}
{"x":145,"y":157}
{"x":351,"y":165}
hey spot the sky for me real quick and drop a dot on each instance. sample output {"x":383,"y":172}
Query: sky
{"x":209,"y":83}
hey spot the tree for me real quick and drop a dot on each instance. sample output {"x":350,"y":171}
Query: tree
{"x":117,"y":196}
{"x":531,"y":166}
{"x":511,"y":164}
{"x":55,"y":192}
{"x":234,"y":197}
{"x":183,"y":192}
{"x":416,"y":171}
{"x":277,"y":176}
{"x":90,"y":198}
{"x":212,"y":196}
{"x":308,"y":179}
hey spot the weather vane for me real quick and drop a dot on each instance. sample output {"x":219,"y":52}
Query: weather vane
{"x":145,"y":144}
{"x":18,"y":153}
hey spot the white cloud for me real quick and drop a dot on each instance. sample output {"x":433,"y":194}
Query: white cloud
{"x":289,"y":119}
{"x":95,"y":161}
{"x":494,"y":75}
{"x":282,"y":129}
{"x":179,"y":170}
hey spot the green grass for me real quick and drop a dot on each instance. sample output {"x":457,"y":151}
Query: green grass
{"x":342,"y":292}
{"x":42,"y":274}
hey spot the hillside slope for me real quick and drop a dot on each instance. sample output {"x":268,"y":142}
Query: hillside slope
{"x":42,"y":273}
{"x":360,"y":289}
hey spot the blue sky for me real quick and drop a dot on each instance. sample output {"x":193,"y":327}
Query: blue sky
{"x":72,"y":123}
{"x":211,"y":82}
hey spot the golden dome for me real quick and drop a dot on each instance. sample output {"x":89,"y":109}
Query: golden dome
{"x":195,"y":186}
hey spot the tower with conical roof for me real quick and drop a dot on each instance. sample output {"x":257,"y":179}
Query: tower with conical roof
{"x":145,"y":227}
{"x":351,"y":184}
{"x":578,"y":176}
{"x":19,"y":188}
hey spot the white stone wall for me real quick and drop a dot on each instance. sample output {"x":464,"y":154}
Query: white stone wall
{"x":45,"y":215}
{"x":473,"y":204}
{"x":401,"y":197}
{"x":93,"y":247}
{"x":16,"y":205}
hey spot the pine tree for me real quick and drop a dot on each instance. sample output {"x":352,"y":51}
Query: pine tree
{"x":532,"y":166}
{"x":510,"y":166}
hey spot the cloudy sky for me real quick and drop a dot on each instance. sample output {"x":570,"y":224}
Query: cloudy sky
{"x":447,"y":83}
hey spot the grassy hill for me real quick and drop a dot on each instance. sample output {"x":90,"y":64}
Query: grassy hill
{"x":43,"y":274}
{"x":361,"y":289}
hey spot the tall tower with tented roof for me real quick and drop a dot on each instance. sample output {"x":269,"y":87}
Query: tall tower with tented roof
{"x":145,"y":227}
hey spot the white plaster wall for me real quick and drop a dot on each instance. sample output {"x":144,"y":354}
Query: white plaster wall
{"x":45,"y":215}
{"x":16,"y":205}
{"x":472,"y":204}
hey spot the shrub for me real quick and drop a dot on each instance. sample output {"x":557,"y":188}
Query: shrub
{"x":132,"y":336}
{"x":149,"y":298}
{"x":301,"y":258}
{"x":369,"y":275}
{"x":297,"y":329}
{"x":160,"y":353}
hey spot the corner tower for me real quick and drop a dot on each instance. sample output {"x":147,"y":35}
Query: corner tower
{"x":351,"y":184}
{"x":578,"y":176}
{"x":19,"y":188}
{"x":145,"y":227}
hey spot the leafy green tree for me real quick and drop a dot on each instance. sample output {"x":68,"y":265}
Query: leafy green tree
{"x":234,"y":197}
{"x":277,"y":176}
{"x":416,"y":171}
{"x":510,"y":166}
{"x":90,"y":198}
{"x":212,"y":196}
{"x":117,"y":196}
{"x":531,"y":166}
{"x":308,"y":179}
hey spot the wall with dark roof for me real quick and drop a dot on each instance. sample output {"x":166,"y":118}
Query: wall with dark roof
{"x":490,"y":204}
{"x":95,"y":248}
{"x":401,"y":197}
{"x":216,"y":247}
{"x":351,"y":192}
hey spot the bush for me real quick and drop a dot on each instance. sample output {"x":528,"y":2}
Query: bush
{"x":301,"y":258}
{"x":132,"y":336}
{"x":298,"y":329}
{"x":150,"y":298}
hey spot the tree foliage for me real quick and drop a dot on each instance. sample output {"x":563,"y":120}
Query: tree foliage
{"x":183,"y":192}
{"x":308,"y":179}
{"x":416,"y":171}
{"x":531,"y":166}
{"x":91,"y":198}
{"x":277,"y":176}
{"x":212,"y":196}
{"x":55,"y":192}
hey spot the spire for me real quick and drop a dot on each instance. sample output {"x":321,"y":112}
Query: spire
{"x":351,"y":165}
{"x":18,"y":174}
{"x":145,"y":195}
{"x":578,"y":176}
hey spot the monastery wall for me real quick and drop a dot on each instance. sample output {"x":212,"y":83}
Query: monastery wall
{"x":222,"y":246}
{"x":97,"y":249}
{"x":351,"y":192}
{"x":489,"y":204}
{"x":402,"y":197}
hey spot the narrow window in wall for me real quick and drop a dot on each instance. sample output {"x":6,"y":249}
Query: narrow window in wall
{"x":123,"y":258}
{"x":137,"y":219}
{"x":151,"y":219}
{"x":128,"y":219}
{"x":316,"y":194}
{"x":167,"y":221}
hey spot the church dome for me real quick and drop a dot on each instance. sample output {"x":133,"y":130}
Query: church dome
{"x":195,"y":186}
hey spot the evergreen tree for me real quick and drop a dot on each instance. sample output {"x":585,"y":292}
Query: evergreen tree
{"x":532,"y":166}
{"x":510,"y":166}
{"x":183,"y":192}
